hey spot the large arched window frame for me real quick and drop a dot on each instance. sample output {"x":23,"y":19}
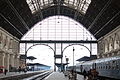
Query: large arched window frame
{"x":58,"y":28}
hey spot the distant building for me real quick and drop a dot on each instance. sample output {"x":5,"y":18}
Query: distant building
{"x":9,"y":50}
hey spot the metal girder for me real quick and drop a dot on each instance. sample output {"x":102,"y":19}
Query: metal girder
{"x":55,"y":41}
{"x":58,"y":56}
{"x":76,"y":13}
{"x":100,"y":13}
{"x":11,"y":24}
{"x":41,"y":15}
{"x":17,"y":14}
{"x":107,"y":23}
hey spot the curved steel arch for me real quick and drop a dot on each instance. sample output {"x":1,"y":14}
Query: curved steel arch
{"x":76,"y":44}
{"x":39,"y":44}
{"x":52,"y":11}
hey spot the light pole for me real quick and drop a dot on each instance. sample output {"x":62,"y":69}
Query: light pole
{"x":73,"y":56}
{"x":67,"y":59}
{"x":26,"y":55}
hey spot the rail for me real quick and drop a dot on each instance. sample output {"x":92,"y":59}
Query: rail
{"x":39,"y":76}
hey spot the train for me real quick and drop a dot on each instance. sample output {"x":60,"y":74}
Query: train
{"x":107,"y":67}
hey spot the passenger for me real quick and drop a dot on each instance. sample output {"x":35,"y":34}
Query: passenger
{"x":19,"y":69}
{"x":70,"y":75}
{"x":5,"y":72}
{"x":75,"y":75}
{"x":94,"y":74}
{"x":81,"y":68}
{"x":85,"y":74}
{"x":89,"y":75}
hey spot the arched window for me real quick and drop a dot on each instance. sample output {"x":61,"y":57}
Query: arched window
{"x":58,"y":28}
{"x":106,"y":46}
{"x":116,"y":42}
{"x":111,"y":44}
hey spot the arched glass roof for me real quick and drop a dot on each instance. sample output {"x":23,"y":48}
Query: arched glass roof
{"x":79,"y":5}
{"x":58,"y":28}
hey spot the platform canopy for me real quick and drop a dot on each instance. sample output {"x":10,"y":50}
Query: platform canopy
{"x":98,"y":16}
{"x":85,"y":58}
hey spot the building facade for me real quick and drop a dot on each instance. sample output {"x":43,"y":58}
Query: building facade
{"x":109,"y":45}
{"x":9,"y":50}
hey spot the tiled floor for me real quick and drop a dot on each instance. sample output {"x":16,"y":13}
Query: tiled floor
{"x":61,"y":76}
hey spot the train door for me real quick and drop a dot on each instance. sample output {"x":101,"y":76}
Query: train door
{"x":94,"y":66}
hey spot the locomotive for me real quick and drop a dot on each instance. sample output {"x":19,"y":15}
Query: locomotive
{"x":107,"y":67}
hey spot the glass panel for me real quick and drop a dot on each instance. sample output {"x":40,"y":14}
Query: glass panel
{"x":82,"y":5}
{"x":62,"y":28}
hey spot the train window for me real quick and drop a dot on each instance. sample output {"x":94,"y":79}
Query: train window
{"x":106,"y":67}
{"x":113,"y":61}
{"x":113,"y":67}
{"x":97,"y":67}
{"x":117,"y":67}
{"x":109,"y":67}
{"x":103,"y":67}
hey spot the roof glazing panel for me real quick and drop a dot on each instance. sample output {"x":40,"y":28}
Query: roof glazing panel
{"x":80,"y":5}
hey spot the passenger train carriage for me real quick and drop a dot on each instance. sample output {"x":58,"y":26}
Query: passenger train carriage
{"x":107,"y":67}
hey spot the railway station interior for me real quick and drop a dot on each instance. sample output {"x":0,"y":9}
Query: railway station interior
{"x":56,"y":38}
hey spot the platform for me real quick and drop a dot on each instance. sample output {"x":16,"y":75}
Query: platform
{"x":61,"y":76}
{"x":17,"y":74}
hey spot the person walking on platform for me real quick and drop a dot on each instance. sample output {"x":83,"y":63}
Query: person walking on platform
{"x":19,"y":69}
{"x":85,"y":74}
{"x":5,"y":72}
{"x":89,"y":75}
{"x":94,"y":74}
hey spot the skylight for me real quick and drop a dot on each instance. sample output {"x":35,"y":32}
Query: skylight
{"x":80,"y":5}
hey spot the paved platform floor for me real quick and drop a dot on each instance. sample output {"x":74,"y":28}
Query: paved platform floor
{"x":60,"y":76}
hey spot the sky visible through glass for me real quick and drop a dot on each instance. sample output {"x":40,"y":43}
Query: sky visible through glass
{"x":58,"y":28}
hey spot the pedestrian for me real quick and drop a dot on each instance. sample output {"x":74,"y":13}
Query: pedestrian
{"x":89,"y":75}
{"x":94,"y":74}
{"x":85,"y":74}
{"x":5,"y":72}
{"x":19,"y":69}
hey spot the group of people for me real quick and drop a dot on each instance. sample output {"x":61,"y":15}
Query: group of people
{"x":18,"y":70}
{"x":22,"y":69}
{"x":92,"y":74}
{"x":72,"y":75}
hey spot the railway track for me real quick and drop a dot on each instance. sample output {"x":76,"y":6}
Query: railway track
{"x":39,"y":76}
